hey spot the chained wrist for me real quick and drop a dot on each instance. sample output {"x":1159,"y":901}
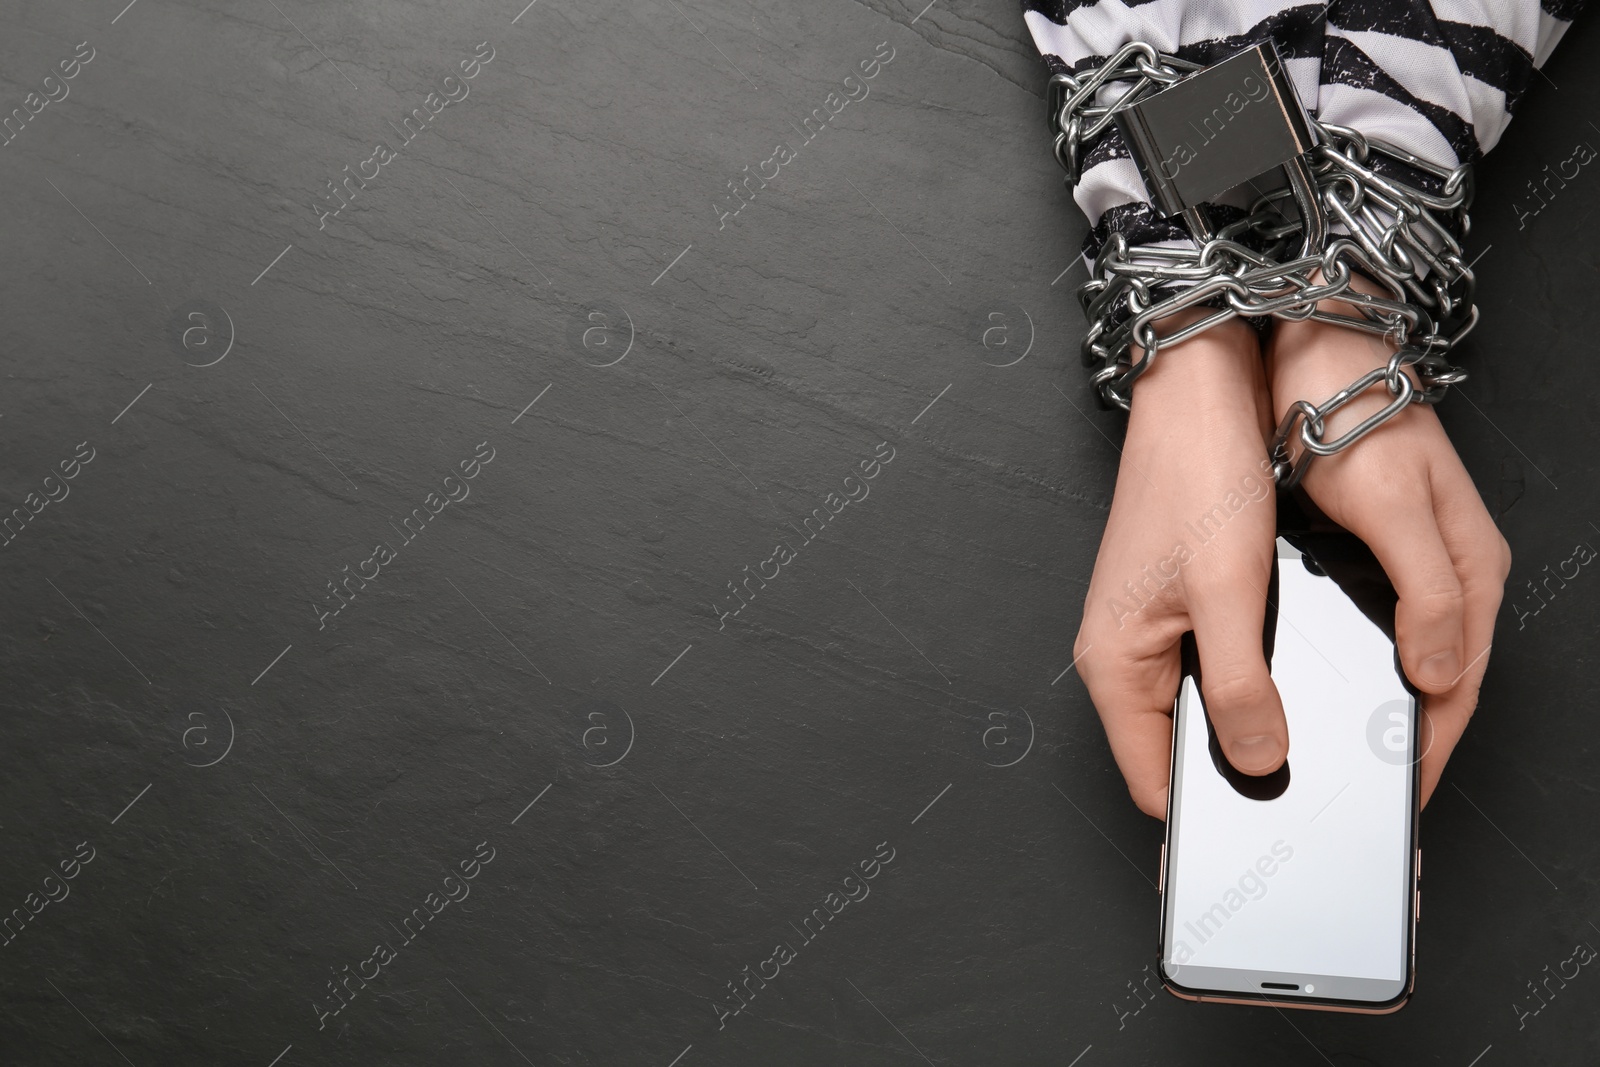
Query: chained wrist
{"x":1221,"y":377}
{"x":1266,"y":265}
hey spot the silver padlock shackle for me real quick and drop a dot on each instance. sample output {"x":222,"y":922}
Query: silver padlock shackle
{"x":1304,"y":186}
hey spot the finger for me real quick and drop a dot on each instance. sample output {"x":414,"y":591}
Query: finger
{"x":1240,"y":696}
{"x":1445,"y":719}
{"x":1133,"y":693}
{"x":1404,"y":535}
{"x":1482,"y":560}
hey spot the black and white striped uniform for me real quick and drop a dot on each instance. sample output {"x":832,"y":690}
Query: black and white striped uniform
{"x":1439,"y":79}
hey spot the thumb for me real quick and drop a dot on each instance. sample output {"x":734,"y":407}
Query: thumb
{"x":1239,"y":693}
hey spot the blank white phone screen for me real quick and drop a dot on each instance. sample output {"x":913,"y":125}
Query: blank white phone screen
{"x":1313,"y":882}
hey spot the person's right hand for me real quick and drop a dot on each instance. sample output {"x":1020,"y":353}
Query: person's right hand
{"x":1188,"y":546}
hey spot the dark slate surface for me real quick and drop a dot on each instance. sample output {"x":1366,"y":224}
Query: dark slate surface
{"x":265,"y":801}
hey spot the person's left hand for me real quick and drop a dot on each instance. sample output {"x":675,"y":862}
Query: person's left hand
{"x":1403,"y":490}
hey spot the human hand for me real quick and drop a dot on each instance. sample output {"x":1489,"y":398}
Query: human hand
{"x":1403,"y":491}
{"x":1188,"y":546}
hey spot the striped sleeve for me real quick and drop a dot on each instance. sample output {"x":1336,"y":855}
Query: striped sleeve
{"x":1441,"y":80}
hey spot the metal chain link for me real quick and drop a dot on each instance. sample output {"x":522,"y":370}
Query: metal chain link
{"x":1268,"y":263}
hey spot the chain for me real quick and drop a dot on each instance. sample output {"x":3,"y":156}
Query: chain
{"x":1271,"y":263}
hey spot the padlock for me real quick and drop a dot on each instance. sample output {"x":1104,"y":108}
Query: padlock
{"x":1221,"y":127}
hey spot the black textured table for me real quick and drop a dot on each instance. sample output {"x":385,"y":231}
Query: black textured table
{"x":554,"y":536}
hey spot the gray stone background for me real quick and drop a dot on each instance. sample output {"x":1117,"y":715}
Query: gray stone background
{"x":540,"y":675}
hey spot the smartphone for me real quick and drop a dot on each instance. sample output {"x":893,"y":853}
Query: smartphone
{"x":1300,"y":888}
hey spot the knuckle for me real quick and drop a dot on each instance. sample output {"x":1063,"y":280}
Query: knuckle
{"x":1487,"y":560}
{"x":1098,"y":637}
{"x":1235,"y":690}
{"x":1441,"y":603}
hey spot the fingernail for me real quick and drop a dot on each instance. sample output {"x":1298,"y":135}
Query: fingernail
{"x":1441,"y":668}
{"x":1255,"y":754}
